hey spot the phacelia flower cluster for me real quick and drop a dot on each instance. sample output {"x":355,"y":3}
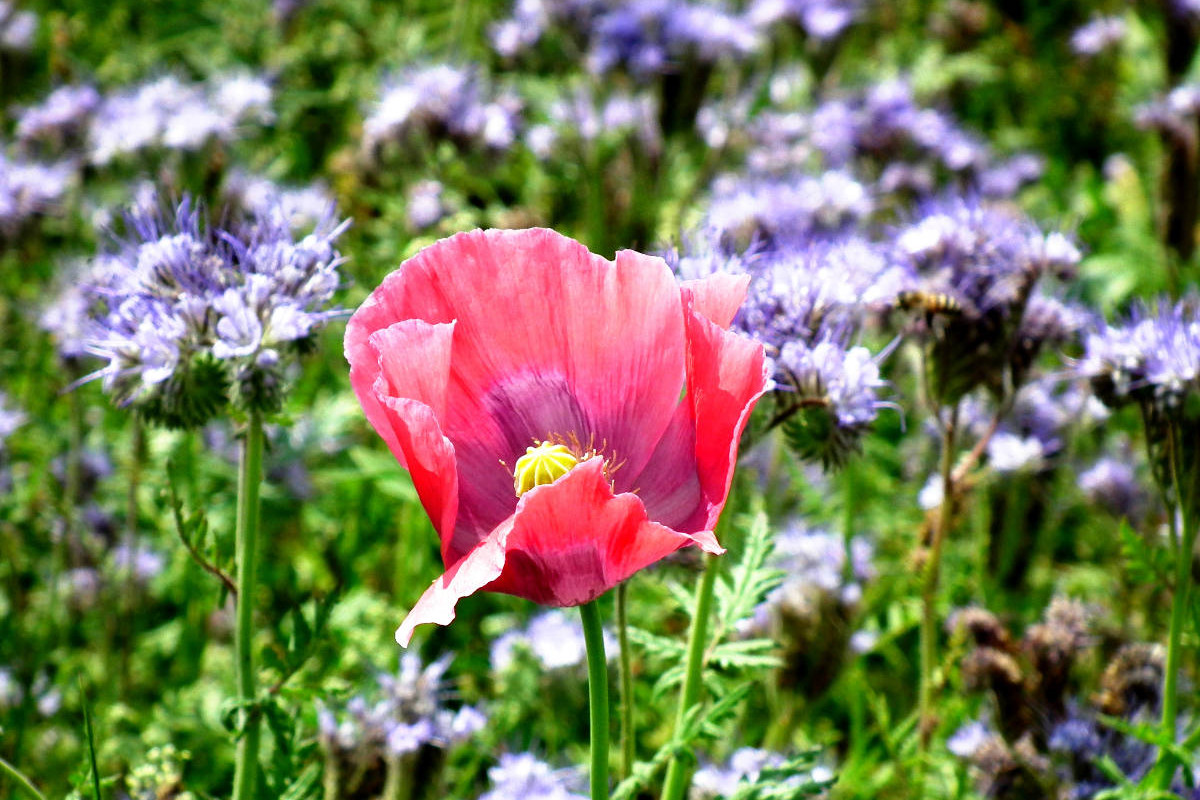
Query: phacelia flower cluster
{"x":822,"y":20}
{"x":60,"y":120}
{"x":17,"y":28}
{"x":1154,"y":357}
{"x":808,"y":299}
{"x":367,"y":735}
{"x":260,"y":197}
{"x":170,"y":114}
{"x":765,"y":210}
{"x":190,"y":317}
{"x":1040,"y":733}
{"x":1100,"y":34}
{"x":1173,"y":116}
{"x":748,"y":766}
{"x":657,"y":37}
{"x":10,"y":419}
{"x":1036,"y":428}
{"x":29,"y":188}
{"x":883,"y":134}
{"x":1153,"y":360}
{"x":580,"y":115}
{"x":974,"y":268}
{"x":553,"y":638}
{"x":441,"y":101}
{"x":524,"y":776}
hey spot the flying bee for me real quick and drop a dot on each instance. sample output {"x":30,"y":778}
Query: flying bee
{"x":929,"y":302}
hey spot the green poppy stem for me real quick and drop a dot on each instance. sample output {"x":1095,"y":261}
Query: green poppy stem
{"x":628,"y":723}
{"x":675,"y":784}
{"x":593,"y":637}
{"x":245,"y":778}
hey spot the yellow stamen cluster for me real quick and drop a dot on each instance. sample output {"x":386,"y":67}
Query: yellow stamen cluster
{"x":542,"y":464}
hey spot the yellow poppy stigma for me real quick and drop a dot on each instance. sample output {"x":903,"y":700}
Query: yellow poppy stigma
{"x":545,"y":463}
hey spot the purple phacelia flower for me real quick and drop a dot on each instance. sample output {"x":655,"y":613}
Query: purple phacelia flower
{"x":424,"y":207}
{"x":1173,"y":116}
{"x":59,"y":119}
{"x":181,"y":310}
{"x":28,"y":188}
{"x":580,"y":114}
{"x":257,"y":196}
{"x":523,"y":776}
{"x":1112,"y":484}
{"x":967,"y":740}
{"x":744,"y":210}
{"x":552,"y":637}
{"x":1155,"y":355}
{"x":406,"y":713}
{"x":651,"y":38}
{"x":140,"y":562}
{"x":974,"y":268}
{"x":168,"y":113}
{"x":532,"y":19}
{"x":745,"y":768}
{"x":441,"y":101}
{"x":806,"y":302}
{"x":823,"y":20}
{"x":10,"y":419}
{"x":845,"y":381}
{"x":17,"y":28}
{"x":1101,"y":33}
{"x":1006,"y":178}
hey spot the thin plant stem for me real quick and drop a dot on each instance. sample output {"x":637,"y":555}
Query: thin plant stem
{"x":929,"y":587}
{"x":627,"y":711}
{"x":91,"y":742}
{"x":249,"y":479}
{"x":19,"y":779}
{"x":1166,"y":763}
{"x":593,"y":637}
{"x":398,"y":783}
{"x":676,"y":781}
{"x":850,"y":495}
{"x":132,"y":543}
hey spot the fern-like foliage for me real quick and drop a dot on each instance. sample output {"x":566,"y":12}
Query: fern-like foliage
{"x":736,"y":596}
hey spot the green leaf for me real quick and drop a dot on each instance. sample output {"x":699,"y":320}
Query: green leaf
{"x":655,"y":645}
{"x":747,"y":654}
{"x":1144,"y":562}
{"x":305,"y":784}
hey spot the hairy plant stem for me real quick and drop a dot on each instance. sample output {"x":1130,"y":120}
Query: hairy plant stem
{"x":929,"y":587}
{"x":675,"y":783}
{"x":627,"y":721}
{"x":1165,"y":765}
{"x":593,"y":637}
{"x":249,"y":479}
{"x":20,"y":780}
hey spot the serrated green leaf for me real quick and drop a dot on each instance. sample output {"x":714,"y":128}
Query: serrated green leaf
{"x":681,"y":596}
{"x":668,"y":680}
{"x":747,"y":654}
{"x":656,"y":646}
{"x":1144,"y":562}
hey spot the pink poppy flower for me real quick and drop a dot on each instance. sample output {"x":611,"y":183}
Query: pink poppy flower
{"x":567,"y":420}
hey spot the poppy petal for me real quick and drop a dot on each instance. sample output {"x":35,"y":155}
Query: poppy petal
{"x":567,"y":543}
